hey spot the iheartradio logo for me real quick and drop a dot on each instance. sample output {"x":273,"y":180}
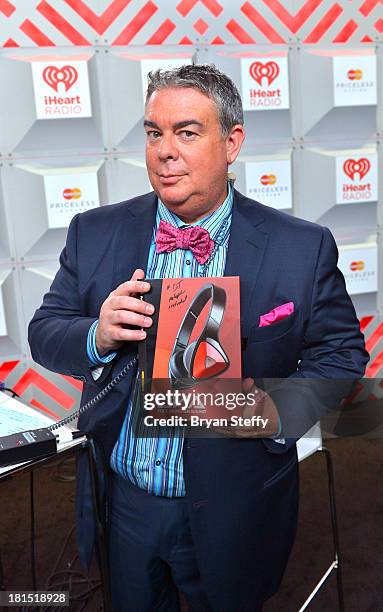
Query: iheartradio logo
{"x":355,"y":75}
{"x":352,"y":167}
{"x":268,"y":179}
{"x":258,"y":71}
{"x":72,"y":194}
{"x":357,"y":266}
{"x":53,"y":76}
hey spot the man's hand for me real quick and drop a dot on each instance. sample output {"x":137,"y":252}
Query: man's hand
{"x":263,"y":407}
{"x":121,"y":309}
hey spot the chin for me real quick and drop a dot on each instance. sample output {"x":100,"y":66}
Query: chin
{"x":172,"y":197}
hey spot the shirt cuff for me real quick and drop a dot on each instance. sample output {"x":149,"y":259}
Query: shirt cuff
{"x":91,"y":348}
{"x":277,"y":437}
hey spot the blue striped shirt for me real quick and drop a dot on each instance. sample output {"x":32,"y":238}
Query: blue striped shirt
{"x":156,"y":464}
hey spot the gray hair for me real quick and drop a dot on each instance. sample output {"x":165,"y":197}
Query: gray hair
{"x":211,"y":82}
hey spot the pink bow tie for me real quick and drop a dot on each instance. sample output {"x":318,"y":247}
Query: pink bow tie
{"x":196,"y":239}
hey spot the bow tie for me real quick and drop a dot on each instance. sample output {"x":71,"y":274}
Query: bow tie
{"x":196,"y":239}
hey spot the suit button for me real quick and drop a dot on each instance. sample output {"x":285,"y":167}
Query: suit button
{"x":158,"y":462}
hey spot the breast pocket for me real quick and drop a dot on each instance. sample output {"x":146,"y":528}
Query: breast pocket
{"x":275,"y":330}
{"x":273,"y":351}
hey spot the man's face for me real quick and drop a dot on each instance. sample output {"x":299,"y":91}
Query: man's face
{"x":186,"y":155}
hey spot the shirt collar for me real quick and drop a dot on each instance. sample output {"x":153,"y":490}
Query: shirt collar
{"x":212,"y":223}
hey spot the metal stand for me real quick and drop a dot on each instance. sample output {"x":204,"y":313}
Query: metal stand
{"x":2,"y":584}
{"x":101,"y":540}
{"x":336,"y":564}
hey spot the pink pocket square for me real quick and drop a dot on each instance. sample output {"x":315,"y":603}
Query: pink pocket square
{"x":277,"y":314}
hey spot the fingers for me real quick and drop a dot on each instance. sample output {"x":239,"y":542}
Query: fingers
{"x":134,"y":285}
{"x":123,"y":308}
{"x":127,"y":317}
{"x":116,"y":335}
{"x":124,"y":302}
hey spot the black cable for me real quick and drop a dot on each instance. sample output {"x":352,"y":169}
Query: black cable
{"x":4,"y":388}
{"x":70,"y":578}
{"x":92,"y":402}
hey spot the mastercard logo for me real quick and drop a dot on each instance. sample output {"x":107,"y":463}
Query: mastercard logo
{"x":72,"y":194}
{"x":355,"y":75}
{"x":268,"y":179}
{"x":357,"y":266}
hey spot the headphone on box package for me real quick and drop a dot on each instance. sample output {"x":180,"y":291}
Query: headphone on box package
{"x":203,"y":358}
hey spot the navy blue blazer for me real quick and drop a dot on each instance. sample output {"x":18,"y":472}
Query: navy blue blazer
{"x":242,"y":494}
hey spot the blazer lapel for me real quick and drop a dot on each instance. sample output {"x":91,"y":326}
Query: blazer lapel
{"x":245,"y":253}
{"x":134,"y":235}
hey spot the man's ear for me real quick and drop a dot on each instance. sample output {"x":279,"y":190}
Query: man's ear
{"x":234,"y":142}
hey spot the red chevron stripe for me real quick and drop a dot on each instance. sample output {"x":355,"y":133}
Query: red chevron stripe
{"x":38,"y":37}
{"x":374,"y":338}
{"x":239,"y":33}
{"x":346,"y":32}
{"x":185,"y":6}
{"x":324,"y":24}
{"x":350,"y":398}
{"x":6,"y":368}
{"x":261,"y":23}
{"x":185,"y":40}
{"x":43,"y":408}
{"x":200,"y":26}
{"x":102,"y":22}
{"x":365,"y":321}
{"x":369,"y":6}
{"x":214,"y":7}
{"x":294,"y":23}
{"x":367,"y":39}
{"x":375,"y":366}
{"x":160,"y":35}
{"x":7,"y":8}
{"x":10,"y":43}
{"x":379,"y":25}
{"x":30,"y":377}
{"x":217,"y":41}
{"x":136,"y":24}
{"x":61,"y":24}
{"x":77,"y":384}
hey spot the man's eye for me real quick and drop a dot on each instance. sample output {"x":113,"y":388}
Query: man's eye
{"x":153,"y":134}
{"x":188,"y":134}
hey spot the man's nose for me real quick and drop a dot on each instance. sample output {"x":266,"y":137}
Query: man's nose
{"x":168,"y":147}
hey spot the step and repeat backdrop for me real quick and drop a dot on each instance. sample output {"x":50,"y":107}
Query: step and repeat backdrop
{"x":71,"y":138}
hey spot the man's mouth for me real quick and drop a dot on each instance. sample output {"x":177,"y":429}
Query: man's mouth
{"x":170,"y":179}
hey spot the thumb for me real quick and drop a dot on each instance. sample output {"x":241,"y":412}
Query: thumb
{"x":138,"y":274}
{"x":247,"y":384}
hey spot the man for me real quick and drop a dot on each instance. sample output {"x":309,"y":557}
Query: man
{"x":214,"y":518}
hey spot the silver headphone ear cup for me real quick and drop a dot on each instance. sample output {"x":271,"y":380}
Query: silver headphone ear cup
{"x":187,"y":357}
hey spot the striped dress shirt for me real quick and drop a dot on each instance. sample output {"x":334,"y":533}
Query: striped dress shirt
{"x":155,"y":464}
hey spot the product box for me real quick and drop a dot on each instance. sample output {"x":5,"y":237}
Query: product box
{"x":190,"y":375}
{"x":195,"y":335}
